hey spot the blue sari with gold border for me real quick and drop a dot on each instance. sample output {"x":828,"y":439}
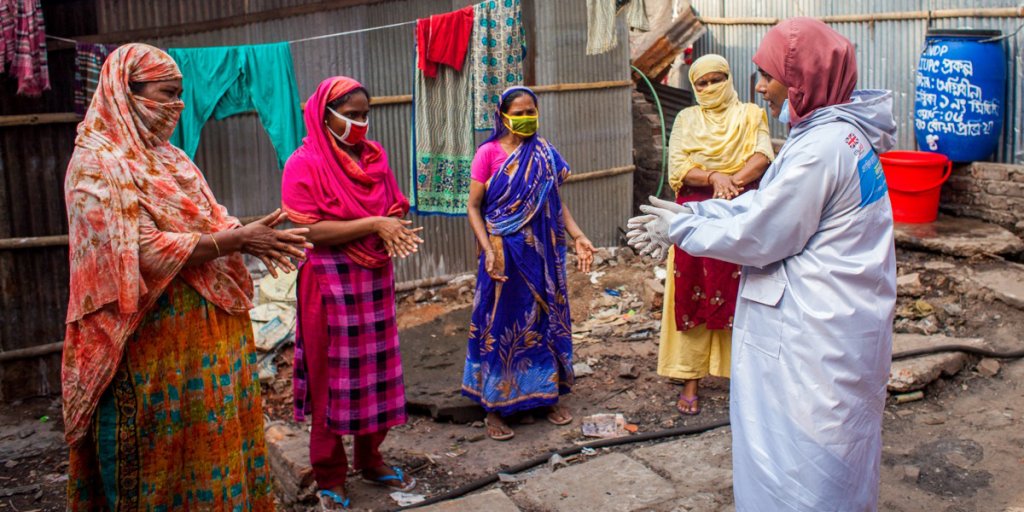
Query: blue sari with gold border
{"x":520,"y":341}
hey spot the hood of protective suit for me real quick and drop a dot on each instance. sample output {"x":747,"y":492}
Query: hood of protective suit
{"x":869,"y":110}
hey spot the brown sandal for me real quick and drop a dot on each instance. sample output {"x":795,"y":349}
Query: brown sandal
{"x":498,"y":437}
{"x":566,"y":419}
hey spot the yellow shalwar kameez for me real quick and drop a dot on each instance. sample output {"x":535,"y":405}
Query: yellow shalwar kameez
{"x":719,"y":134}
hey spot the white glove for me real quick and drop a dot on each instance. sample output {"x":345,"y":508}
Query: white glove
{"x":649,"y":233}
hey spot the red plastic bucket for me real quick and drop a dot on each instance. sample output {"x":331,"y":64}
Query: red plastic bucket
{"x":915,"y":180}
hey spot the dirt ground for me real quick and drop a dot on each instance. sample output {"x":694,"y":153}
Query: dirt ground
{"x":959,"y":449}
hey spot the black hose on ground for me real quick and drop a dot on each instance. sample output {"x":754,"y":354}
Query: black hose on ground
{"x":679,"y":431}
{"x":573,"y":450}
{"x":978,"y":351}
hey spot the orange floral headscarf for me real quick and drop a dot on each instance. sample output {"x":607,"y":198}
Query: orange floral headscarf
{"x":137,"y":207}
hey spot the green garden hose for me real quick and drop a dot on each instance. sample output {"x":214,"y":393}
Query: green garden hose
{"x":664,"y":142}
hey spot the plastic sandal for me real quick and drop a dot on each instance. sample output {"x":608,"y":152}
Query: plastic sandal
{"x":399,"y":476}
{"x":499,"y":437}
{"x":567,"y":419}
{"x":689,"y":402}
{"x":324,"y":495}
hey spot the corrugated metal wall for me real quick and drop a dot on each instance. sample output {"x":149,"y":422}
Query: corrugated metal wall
{"x":887,"y":51}
{"x":591,"y":128}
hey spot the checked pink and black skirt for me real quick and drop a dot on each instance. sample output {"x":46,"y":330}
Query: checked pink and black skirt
{"x":356,"y":314}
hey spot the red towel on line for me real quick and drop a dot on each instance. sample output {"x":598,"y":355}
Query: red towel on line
{"x":443,"y":39}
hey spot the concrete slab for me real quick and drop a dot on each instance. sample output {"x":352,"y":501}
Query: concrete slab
{"x":916,"y":373}
{"x":702,"y":502}
{"x":611,"y":482}
{"x":958,"y":236}
{"x":288,"y":449}
{"x":433,"y":356}
{"x":1005,"y":283}
{"x":491,"y":501}
{"x":711,"y":452}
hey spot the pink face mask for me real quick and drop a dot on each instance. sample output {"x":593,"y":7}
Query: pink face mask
{"x":355,"y":132}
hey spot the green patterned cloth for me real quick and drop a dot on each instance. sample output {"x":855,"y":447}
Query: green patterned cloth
{"x":449,"y":107}
{"x":444,"y":142}
{"x":497,"y":51}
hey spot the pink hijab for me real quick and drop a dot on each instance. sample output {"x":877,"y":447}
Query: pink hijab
{"x":817,"y":64}
{"x":322,"y":182}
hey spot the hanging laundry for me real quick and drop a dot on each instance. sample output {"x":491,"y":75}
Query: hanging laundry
{"x":443,"y":138}
{"x":89,"y":59}
{"x":443,"y":39}
{"x":602,"y":33}
{"x":497,"y":52}
{"x":636,"y":16}
{"x":229,"y":80}
{"x":23,"y":45}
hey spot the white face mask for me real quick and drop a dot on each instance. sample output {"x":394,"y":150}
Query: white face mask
{"x":355,"y":131}
{"x":784,"y":114}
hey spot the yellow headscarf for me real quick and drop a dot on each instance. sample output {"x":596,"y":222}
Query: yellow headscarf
{"x":720,"y":133}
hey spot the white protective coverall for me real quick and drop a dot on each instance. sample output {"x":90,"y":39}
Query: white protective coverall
{"x":812,"y":338}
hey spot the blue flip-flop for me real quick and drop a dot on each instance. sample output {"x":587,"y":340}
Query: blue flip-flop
{"x":324,"y":494}
{"x":399,"y":476}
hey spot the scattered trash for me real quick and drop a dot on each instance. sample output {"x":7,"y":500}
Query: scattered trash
{"x":405,"y":499}
{"x":279,"y":289}
{"x":594,"y":276}
{"x":44,"y":419}
{"x":582,"y":369}
{"x":632,"y":428}
{"x":988,"y":367}
{"x":455,"y":453}
{"x":629,"y":370}
{"x":587,"y":451}
{"x":556,"y":460}
{"x":909,"y":397}
{"x":267,"y":371}
{"x":508,"y":478}
{"x":923,"y":308}
{"x":613,"y":292}
{"x":605,"y":426}
{"x":274,"y":323}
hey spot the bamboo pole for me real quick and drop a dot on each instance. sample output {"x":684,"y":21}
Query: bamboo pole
{"x":991,"y":12}
{"x":584,"y":86}
{"x":31,"y":119}
{"x":605,"y":173}
{"x":37,"y":242}
{"x":28,"y":353}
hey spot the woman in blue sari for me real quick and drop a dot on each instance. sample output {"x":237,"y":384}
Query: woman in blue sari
{"x":520,"y":342}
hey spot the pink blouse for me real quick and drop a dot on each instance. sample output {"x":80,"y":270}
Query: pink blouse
{"x":487,"y":161}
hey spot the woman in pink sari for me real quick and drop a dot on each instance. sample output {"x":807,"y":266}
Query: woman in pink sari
{"x":348,"y":370}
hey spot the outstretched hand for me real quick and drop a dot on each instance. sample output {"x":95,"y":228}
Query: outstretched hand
{"x":649,"y":232}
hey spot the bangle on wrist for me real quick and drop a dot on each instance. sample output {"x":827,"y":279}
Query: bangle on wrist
{"x":709,"y":177}
{"x":215,"y":244}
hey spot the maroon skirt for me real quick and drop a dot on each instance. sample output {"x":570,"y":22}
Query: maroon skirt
{"x":706,"y":288}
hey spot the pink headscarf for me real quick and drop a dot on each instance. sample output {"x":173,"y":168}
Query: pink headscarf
{"x":816,"y":63}
{"x":322,"y":182}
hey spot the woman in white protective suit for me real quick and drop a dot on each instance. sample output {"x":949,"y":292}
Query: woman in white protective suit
{"x":812,"y":336}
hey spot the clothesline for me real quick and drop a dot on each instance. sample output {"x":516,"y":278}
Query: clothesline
{"x":314,"y":38}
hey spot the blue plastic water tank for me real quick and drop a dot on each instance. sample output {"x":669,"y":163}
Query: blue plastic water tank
{"x":959,"y":100}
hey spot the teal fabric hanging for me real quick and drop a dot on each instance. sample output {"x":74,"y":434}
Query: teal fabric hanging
{"x":229,"y":80}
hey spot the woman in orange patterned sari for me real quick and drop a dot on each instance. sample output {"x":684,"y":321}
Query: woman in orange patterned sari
{"x":162,"y":403}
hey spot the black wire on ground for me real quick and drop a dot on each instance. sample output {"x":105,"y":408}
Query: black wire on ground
{"x":675,"y":432}
{"x":541,"y":459}
{"x":978,"y":351}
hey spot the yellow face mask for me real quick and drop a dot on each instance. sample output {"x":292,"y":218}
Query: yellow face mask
{"x":523,"y":126}
{"x":716,"y":95}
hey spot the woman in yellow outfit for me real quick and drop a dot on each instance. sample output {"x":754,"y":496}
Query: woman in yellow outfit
{"x":718,"y":149}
